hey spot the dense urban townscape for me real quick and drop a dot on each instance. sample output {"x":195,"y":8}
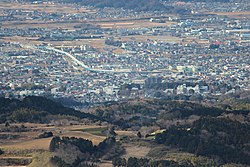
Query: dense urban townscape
{"x":98,"y":55}
{"x":125,"y":83}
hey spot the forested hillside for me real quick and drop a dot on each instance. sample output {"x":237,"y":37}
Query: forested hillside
{"x":163,"y":113}
{"x":135,"y":4}
{"x":140,"y":5}
{"x":35,"y":109}
{"x":212,"y":137}
{"x":218,"y":133}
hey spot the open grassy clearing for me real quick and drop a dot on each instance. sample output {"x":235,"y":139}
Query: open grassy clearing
{"x":130,"y":24}
{"x":42,"y":24}
{"x":145,"y":38}
{"x":15,"y":162}
{"x":134,"y":150}
{"x":29,"y":141}
{"x":19,"y":153}
{"x":98,"y":131}
{"x":38,"y":149}
{"x":41,"y":159}
{"x":29,"y":144}
{"x":231,"y":13}
{"x":106,"y":164}
{"x":125,"y":133}
{"x":95,"y":43}
{"x":235,"y":15}
{"x":94,"y":138}
{"x":119,"y":51}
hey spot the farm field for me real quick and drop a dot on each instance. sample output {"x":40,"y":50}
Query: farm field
{"x":29,"y":147}
{"x":45,"y":7}
{"x":75,"y":24}
{"x":130,"y":24}
{"x":235,"y":15}
{"x":24,"y":148}
{"x":144,"y":38}
{"x":29,"y":140}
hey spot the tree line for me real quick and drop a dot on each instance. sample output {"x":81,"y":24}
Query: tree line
{"x":211,"y":137}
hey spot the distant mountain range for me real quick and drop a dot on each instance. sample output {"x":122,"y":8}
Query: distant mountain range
{"x":141,"y":5}
{"x":204,"y":0}
{"x":138,"y":5}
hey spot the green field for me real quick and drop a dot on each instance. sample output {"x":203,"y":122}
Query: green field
{"x":100,"y":131}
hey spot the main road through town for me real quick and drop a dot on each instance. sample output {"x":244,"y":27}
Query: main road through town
{"x":49,"y":48}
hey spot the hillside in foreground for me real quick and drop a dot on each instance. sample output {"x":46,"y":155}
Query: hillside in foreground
{"x":36,"y":109}
{"x":163,"y":133}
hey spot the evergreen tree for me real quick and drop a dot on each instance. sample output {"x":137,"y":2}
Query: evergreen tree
{"x":54,"y":144}
{"x":1,"y":152}
{"x":139,"y":134}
